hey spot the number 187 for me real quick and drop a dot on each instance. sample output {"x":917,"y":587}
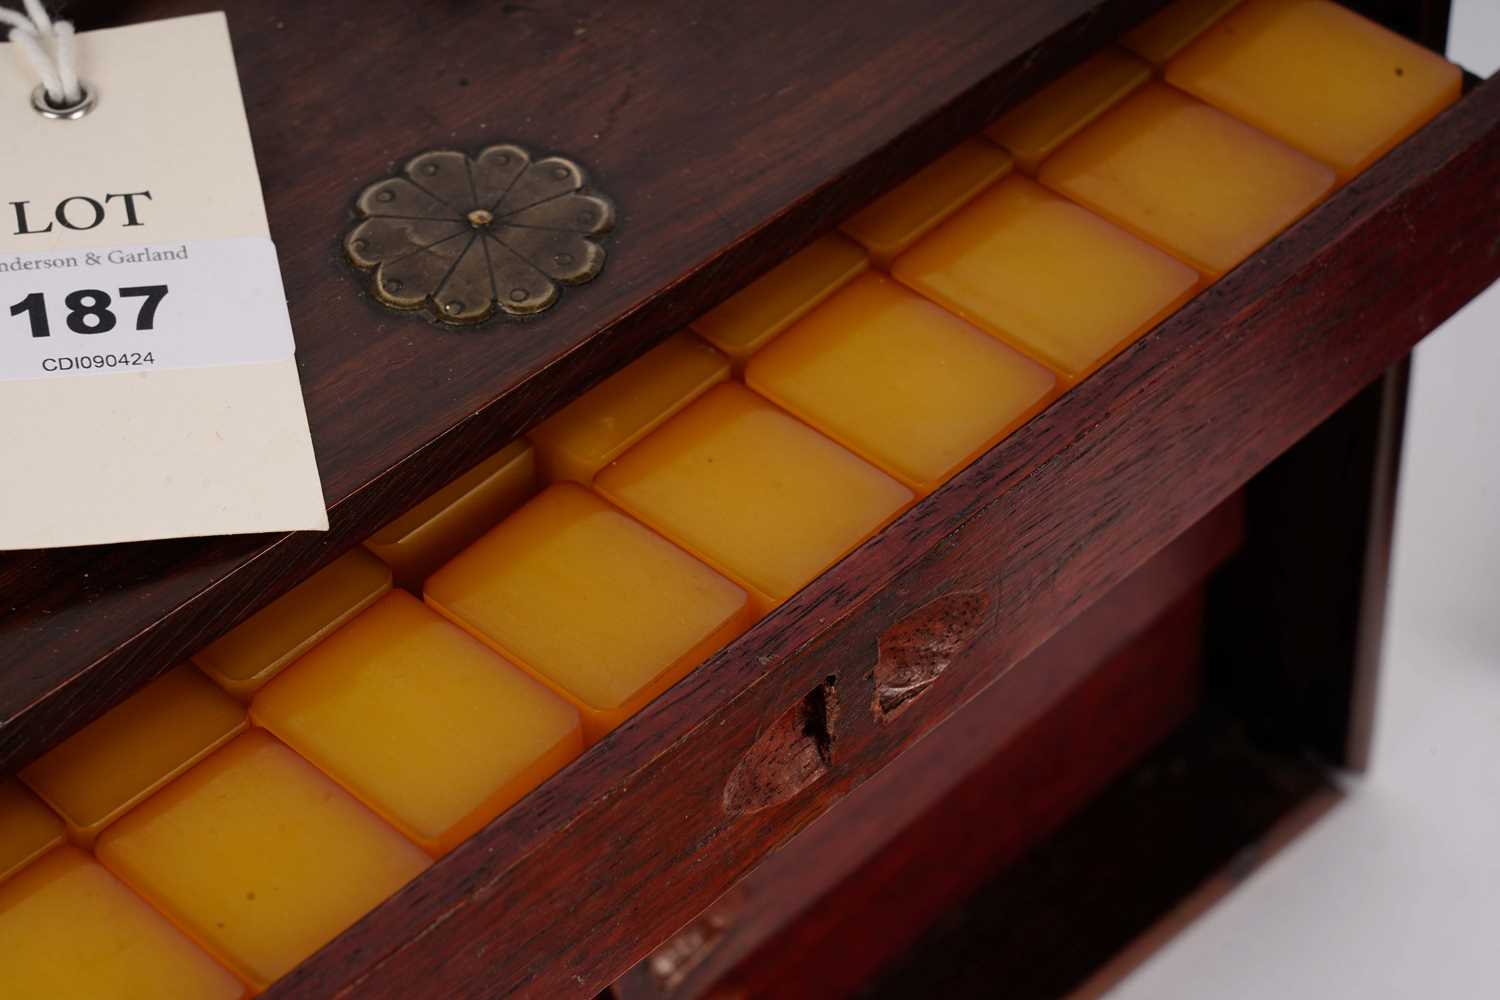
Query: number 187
{"x":89,"y":309}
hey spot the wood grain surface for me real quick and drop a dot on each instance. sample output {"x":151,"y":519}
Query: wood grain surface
{"x":561,"y":895}
{"x":1022,"y":793}
{"x":728,"y":135}
{"x":1198,"y":816}
{"x":773,"y":925}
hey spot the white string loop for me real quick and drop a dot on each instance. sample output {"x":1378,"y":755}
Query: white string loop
{"x":47,"y":46}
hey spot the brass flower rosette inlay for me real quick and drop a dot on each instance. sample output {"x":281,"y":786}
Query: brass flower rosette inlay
{"x":467,"y":236}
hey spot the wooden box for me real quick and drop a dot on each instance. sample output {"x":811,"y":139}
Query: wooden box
{"x":1189,"y":545}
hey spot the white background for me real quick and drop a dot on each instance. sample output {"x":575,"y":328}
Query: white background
{"x":1396,"y":893}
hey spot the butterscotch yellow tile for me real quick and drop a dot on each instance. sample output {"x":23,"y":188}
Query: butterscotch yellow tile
{"x":1169,"y":30}
{"x":105,"y":768}
{"x":906,"y":384}
{"x":753,"y":491}
{"x":28,"y":829}
{"x":262,"y":645}
{"x":421,"y":721}
{"x":747,"y":320}
{"x":1187,"y":177}
{"x":592,"y":431}
{"x":70,"y":931}
{"x":1050,"y":278}
{"x":901,"y":216}
{"x":600,"y":608}
{"x":259,"y":856}
{"x":428,"y":535}
{"x":1056,"y":113}
{"x":1319,"y":77}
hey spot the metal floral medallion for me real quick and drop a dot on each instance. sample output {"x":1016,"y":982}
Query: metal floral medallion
{"x":466,"y":236}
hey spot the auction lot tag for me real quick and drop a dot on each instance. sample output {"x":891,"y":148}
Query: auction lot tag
{"x":148,"y":387}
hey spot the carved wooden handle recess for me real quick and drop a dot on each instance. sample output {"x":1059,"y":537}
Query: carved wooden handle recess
{"x":916,"y":650}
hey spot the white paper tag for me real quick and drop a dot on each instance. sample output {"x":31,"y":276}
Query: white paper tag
{"x":194,"y":305}
{"x":209,"y":436}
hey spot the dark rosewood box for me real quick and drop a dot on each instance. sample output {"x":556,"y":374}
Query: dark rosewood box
{"x":1079,"y":686}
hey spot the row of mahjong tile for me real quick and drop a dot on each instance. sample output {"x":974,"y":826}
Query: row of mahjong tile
{"x":199,"y":805}
{"x":733,"y":480}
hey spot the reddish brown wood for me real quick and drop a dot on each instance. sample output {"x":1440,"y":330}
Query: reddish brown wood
{"x":1010,"y":802}
{"x":1295,"y":793}
{"x":1197,"y":816}
{"x":1298,"y":619}
{"x":728,"y":135}
{"x":815,"y":874}
{"x":565,"y":892}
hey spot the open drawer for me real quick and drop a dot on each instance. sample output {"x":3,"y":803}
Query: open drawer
{"x":567,"y":890}
{"x":630,"y":842}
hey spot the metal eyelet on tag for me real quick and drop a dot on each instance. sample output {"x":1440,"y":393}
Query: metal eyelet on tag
{"x":68,"y":112}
